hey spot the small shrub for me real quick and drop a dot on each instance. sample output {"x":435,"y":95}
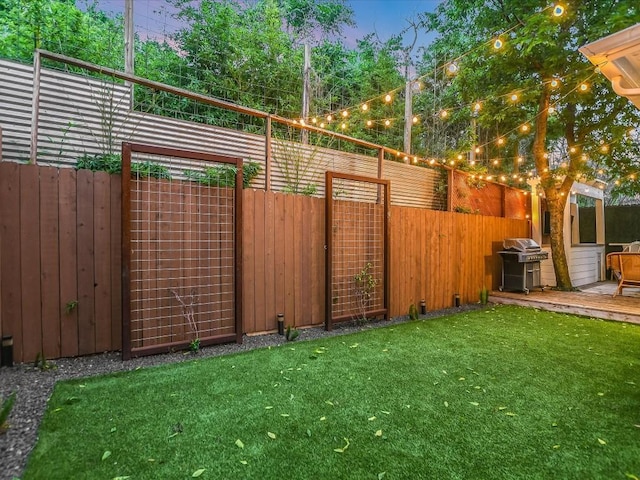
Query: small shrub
{"x":42,"y":364}
{"x":112,"y":163}
{"x":194,"y":346}
{"x":413,"y":312}
{"x":365,"y":284}
{"x":5,"y":410}
{"x":484,"y":296}
{"x":291,"y":334}
{"x":224,"y":175}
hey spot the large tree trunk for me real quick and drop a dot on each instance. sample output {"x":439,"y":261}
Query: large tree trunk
{"x":560,"y":265}
{"x":556,"y":193}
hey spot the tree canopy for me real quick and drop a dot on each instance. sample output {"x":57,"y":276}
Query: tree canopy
{"x":524,"y":98}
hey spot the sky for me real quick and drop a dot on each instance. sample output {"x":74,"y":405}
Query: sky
{"x":384,"y":17}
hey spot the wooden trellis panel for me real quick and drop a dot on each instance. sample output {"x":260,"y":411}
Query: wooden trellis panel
{"x":182,"y":256}
{"x":357,"y":242}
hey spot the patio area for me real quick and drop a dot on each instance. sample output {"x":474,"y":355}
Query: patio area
{"x":595,"y":300}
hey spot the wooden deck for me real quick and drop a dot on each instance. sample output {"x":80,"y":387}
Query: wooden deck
{"x":593,"y":301}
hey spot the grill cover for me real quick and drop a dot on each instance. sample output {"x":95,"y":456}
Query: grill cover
{"x":521,"y":245}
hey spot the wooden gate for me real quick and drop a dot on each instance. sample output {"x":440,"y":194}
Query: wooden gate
{"x":181,"y":249}
{"x":357,"y":240}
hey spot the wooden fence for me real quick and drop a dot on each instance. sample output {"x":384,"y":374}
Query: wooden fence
{"x":60,"y":259}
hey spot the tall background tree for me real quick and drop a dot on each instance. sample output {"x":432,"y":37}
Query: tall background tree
{"x":541,"y":104}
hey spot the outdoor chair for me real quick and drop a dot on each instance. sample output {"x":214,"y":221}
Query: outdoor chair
{"x":625,"y":267}
{"x":633,"y":247}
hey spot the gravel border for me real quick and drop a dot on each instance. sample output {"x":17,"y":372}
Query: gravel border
{"x":34,"y":386}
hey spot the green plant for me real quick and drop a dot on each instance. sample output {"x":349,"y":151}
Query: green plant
{"x":194,"y":346}
{"x":291,"y":334}
{"x":111,"y":163}
{"x":70,"y":306}
{"x":484,"y":296}
{"x":413,"y":312}
{"x":188,"y":304}
{"x":224,"y":175}
{"x":5,"y":410}
{"x":42,"y":364}
{"x":299,"y":164}
{"x":365,"y":284}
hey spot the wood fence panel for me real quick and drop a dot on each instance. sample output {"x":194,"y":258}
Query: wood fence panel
{"x":270,"y":261}
{"x":10,"y":254}
{"x":248,"y":254}
{"x":116,"y":262}
{"x":258,"y":285}
{"x":289,"y":259}
{"x":317,"y":262}
{"x":281,"y":247}
{"x":61,"y":244}
{"x":30,"y":261}
{"x":50,"y":263}
{"x":86,"y":302}
{"x":68,"y":238}
{"x":102,"y":260}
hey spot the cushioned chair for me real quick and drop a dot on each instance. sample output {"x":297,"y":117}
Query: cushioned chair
{"x":625,"y":267}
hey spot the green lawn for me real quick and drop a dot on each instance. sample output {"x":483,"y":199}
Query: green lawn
{"x":502,"y":393}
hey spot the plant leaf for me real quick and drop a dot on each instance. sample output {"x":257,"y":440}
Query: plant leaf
{"x":106,"y":455}
{"x":244,"y":462}
{"x":239,"y":443}
{"x":198,"y":472}
{"x":601,"y":442}
{"x":475,"y":404}
{"x":381,"y":475}
{"x":371,"y":419}
{"x":446,"y":404}
{"x":121,"y":478}
{"x":378,"y":433}
{"x":271,"y":435}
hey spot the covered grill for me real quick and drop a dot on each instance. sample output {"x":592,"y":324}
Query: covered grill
{"x":521,"y":264}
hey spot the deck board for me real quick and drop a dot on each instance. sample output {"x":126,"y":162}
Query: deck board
{"x":593,"y":301}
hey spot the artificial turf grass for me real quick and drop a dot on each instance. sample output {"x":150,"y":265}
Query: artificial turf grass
{"x":506,"y":392}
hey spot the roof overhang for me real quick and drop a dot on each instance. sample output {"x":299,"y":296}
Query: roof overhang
{"x":618,"y":58}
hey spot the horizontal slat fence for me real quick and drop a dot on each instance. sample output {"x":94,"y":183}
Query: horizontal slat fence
{"x":60,"y":244}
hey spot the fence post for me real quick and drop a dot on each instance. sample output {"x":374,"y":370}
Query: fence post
{"x":450,"y":190}
{"x":267,"y":155}
{"x":35,"y":108}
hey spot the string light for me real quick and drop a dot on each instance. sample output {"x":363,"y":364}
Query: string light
{"x":369,"y":123}
{"x":345,"y":113}
{"x":524,"y":128}
{"x":387,"y":123}
{"x":415,"y":119}
{"x":314,"y":120}
{"x":343,"y":126}
{"x":584,"y":87}
{"x":514,"y":97}
{"x":497,"y":44}
{"x":329,"y":118}
{"x":444,"y":114}
{"x":477,"y":107}
{"x":558,"y":10}
{"x":388,"y":98}
{"x":451,"y":69}
{"x":365,"y":107}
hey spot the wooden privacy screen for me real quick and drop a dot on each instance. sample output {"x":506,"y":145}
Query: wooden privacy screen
{"x":181,"y":250}
{"x":357,"y":241}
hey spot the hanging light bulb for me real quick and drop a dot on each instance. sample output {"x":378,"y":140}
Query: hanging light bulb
{"x":524,"y":128}
{"x":365,"y":107}
{"x":472,"y":163}
{"x":554,"y":83}
{"x":314,"y":120}
{"x":558,"y":10}
{"x":503,"y":178}
{"x":415,"y":119}
{"x":387,"y":97}
{"x":604,"y":148}
{"x":520,"y":159}
{"x":500,"y":141}
{"x":477,"y":150}
{"x":432,"y":161}
{"x":369,"y":123}
{"x":551,"y":110}
{"x":321,"y":124}
{"x":617,"y":182}
{"x":477,"y":107}
{"x":584,"y":87}
{"x":459,"y":156}
{"x":452,"y":163}
{"x":514,"y":97}
{"x":345,"y":113}
{"x":489,"y":177}
{"x":496,"y":162}
{"x":343,"y":126}
{"x":573,"y":149}
{"x":451,"y":69}
{"x":444,"y":113}
{"x":387,"y":123}
{"x":329,"y":118}
{"x":415,"y":159}
{"x":497,"y":44}
{"x":302,"y":122}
